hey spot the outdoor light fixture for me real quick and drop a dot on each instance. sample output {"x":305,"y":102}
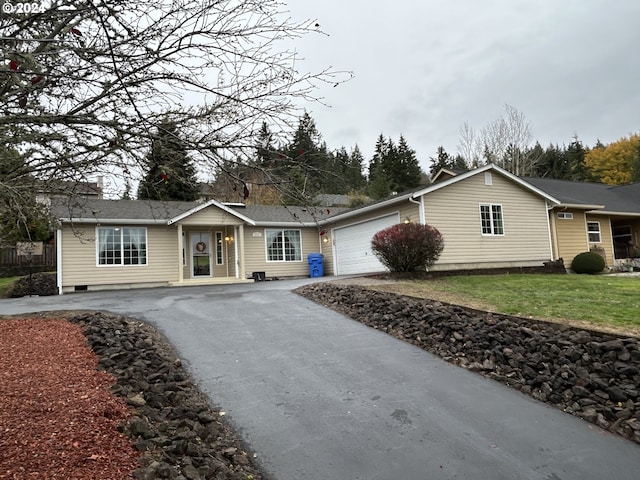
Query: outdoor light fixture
{"x":407,"y":221}
{"x":228,"y":238}
{"x":325,"y":239}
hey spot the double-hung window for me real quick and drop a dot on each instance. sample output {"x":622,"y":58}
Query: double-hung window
{"x":491,"y":219}
{"x":593,"y":229}
{"x":284,"y":246}
{"x":122,"y":246}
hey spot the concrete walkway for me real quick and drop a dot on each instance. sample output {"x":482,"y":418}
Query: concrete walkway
{"x":319,"y":396}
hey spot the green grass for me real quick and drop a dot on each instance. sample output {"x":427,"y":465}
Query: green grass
{"x":5,"y":284}
{"x":599,"y":299}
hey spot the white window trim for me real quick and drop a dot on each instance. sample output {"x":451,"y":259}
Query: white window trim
{"x":589,"y":232}
{"x":219,"y":241}
{"x":119,"y":265}
{"x":565,"y":215}
{"x":266,"y":245}
{"x":493,"y":227}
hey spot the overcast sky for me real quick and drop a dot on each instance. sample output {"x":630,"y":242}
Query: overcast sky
{"x":424,"y":68}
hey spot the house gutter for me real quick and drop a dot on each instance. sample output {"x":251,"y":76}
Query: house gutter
{"x":120,"y":221}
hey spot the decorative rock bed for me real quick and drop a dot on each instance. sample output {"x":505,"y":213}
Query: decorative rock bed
{"x":173,"y":424}
{"x":593,"y":375}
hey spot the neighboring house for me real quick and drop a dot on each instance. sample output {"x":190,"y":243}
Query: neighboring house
{"x":489,"y":218}
{"x":63,"y":188}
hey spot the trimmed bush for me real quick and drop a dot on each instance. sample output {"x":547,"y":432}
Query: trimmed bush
{"x":42,"y":284}
{"x":587,"y":262}
{"x":408,"y":247}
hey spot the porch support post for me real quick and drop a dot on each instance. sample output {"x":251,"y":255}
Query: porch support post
{"x":180,"y":248}
{"x":239,"y":246}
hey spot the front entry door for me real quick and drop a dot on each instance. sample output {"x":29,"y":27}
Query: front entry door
{"x":200,"y":254}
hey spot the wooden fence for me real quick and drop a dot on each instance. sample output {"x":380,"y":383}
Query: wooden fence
{"x":9,"y":258}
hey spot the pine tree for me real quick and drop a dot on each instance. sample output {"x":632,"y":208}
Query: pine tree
{"x":170,"y":172}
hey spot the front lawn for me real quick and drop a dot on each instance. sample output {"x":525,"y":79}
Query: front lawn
{"x":5,"y":284}
{"x":603,"y":300}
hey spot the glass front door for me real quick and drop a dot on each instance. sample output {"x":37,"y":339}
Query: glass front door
{"x":201,"y":254}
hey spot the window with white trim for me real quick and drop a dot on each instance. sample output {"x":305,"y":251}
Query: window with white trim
{"x":593,"y":230}
{"x":283,"y":245}
{"x":122,"y":246}
{"x":491,"y":219}
{"x":565,"y":215}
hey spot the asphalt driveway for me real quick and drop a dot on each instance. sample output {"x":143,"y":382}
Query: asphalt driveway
{"x":319,"y":396}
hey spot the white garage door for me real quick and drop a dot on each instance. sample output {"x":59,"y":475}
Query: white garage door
{"x":353,"y":245}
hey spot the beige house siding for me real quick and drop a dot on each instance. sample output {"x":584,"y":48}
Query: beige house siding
{"x":570,"y":235}
{"x":405,"y":210}
{"x":80,"y":268}
{"x":256,"y":252}
{"x":455,"y":212}
{"x":606,"y":237}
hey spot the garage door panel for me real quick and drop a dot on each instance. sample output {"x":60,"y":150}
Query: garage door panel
{"x":353,"y":245}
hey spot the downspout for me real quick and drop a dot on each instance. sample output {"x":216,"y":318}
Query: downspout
{"x":59,"y":260}
{"x":238,"y":245}
{"x":181,"y":258}
{"x":553,"y":233}
{"x":420,"y":208}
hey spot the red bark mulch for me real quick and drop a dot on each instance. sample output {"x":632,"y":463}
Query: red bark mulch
{"x":58,"y":419}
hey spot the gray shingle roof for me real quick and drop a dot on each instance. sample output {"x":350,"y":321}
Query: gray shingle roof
{"x":622,"y":198}
{"x":139,"y":210}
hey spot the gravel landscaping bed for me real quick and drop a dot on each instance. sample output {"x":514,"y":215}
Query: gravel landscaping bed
{"x":593,"y":375}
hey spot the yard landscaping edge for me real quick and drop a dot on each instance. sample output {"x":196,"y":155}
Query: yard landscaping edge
{"x":589,"y":374}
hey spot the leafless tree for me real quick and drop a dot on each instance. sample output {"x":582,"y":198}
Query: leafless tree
{"x":85,"y":82}
{"x":505,"y":141}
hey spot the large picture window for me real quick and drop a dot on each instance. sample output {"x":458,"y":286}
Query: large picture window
{"x":491,"y":219}
{"x":122,"y":246}
{"x":284,"y":246}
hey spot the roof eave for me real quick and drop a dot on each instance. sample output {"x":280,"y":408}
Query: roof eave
{"x":120,"y":221}
{"x":581,"y":206}
{"x":621,"y":214}
{"x":361,"y":210}
{"x":215,"y":203}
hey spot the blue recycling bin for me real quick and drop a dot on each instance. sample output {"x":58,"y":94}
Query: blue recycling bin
{"x":316,"y":264}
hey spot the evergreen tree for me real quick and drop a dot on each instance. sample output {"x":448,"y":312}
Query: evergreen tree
{"x":355,"y":178}
{"x":575,"y":159}
{"x":409,"y":173}
{"x":442,"y":160}
{"x":170,"y":172}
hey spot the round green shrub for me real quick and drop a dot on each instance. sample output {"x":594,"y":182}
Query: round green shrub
{"x":587,"y":262}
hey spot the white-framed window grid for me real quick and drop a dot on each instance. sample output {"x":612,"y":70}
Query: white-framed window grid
{"x":565,"y":215}
{"x":491,"y":219}
{"x":283,"y":245}
{"x":594,"y":233}
{"x":121,"y":246}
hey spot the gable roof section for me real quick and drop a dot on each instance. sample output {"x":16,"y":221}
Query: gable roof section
{"x":204,"y":205}
{"x":488,"y":168}
{"x":414,"y":194}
